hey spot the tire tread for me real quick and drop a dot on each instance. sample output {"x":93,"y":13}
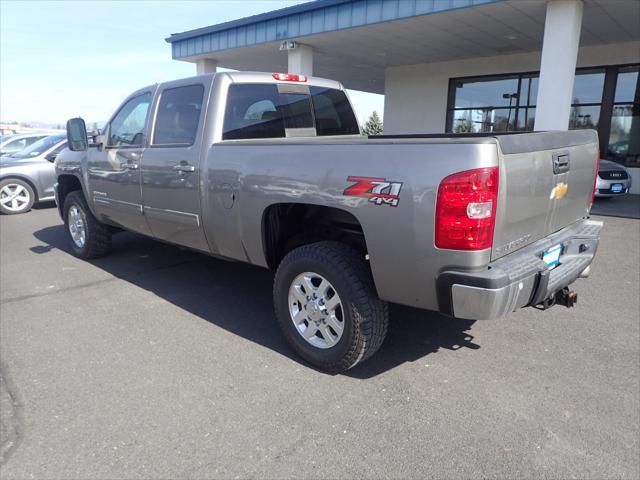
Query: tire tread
{"x":98,"y":242}
{"x":370,"y":314}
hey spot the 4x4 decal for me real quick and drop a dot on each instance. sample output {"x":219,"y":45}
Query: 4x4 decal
{"x":378,"y":190}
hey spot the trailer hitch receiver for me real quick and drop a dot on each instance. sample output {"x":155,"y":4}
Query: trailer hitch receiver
{"x":566,"y":297}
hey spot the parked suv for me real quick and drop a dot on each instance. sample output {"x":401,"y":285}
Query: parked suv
{"x":613,"y":179}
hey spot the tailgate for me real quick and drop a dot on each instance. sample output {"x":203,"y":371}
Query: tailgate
{"x":546,"y":183}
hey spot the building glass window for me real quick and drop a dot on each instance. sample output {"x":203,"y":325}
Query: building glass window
{"x":584,"y":116}
{"x":494,"y":104}
{"x":501,"y":103}
{"x":627,"y":85}
{"x":624,"y":135}
{"x":587,"y":99}
{"x":588,"y":86}
{"x":485,"y":105}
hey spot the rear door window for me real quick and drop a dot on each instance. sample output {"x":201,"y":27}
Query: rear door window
{"x":178,"y":116}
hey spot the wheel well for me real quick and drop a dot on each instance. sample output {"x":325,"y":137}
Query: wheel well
{"x":286,"y":226}
{"x":66,"y":185}
{"x":25,"y":180}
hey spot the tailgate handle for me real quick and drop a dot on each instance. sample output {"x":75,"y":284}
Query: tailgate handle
{"x":560,"y":162}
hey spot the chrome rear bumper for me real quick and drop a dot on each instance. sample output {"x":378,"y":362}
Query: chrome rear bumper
{"x":521,"y":278}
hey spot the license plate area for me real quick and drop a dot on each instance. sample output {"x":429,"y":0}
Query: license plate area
{"x":616,"y":188}
{"x":551,"y":256}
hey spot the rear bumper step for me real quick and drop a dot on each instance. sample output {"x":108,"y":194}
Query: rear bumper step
{"x":521,"y":278}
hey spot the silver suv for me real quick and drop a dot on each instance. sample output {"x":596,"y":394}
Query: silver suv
{"x":28,"y":176}
{"x":613,"y":179}
{"x":10,"y":144}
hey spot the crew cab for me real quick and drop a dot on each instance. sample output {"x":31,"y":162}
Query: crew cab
{"x":271,"y":169}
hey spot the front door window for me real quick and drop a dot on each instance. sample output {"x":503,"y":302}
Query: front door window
{"x":128,"y":126}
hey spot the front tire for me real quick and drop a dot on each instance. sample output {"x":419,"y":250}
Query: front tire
{"x":327,"y":306}
{"x":89,"y":238}
{"x":16,"y":196}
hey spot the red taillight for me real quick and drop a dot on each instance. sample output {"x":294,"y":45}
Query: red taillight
{"x":595,"y":178}
{"x":289,"y":77}
{"x":466,"y":210}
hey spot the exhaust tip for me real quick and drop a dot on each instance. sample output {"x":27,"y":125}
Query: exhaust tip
{"x":586,"y":272}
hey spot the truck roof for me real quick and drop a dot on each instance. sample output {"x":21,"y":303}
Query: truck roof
{"x":256,"y":77}
{"x":268,"y":77}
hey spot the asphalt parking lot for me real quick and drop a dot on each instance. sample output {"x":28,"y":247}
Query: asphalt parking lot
{"x":156,"y":362}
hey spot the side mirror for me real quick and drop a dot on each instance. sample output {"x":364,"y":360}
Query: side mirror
{"x":77,"y":135}
{"x":51,"y":157}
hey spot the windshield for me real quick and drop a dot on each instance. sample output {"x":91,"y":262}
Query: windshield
{"x":39,"y":147}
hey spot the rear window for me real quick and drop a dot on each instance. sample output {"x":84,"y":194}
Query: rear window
{"x":333,"y":112}
{"x":252,"y":112}
{"x":296,"y":110}
{"x":262,"y":111}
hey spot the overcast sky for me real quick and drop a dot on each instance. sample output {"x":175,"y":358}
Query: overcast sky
{"x":70,"y":58}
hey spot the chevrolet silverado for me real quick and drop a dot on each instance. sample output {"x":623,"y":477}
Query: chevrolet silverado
{"x":271,"y":169}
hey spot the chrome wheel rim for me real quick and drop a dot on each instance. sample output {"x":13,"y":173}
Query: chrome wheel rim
{"x":316,"y":310}
{"x":14,"y":197}
{"x":77,"y":227}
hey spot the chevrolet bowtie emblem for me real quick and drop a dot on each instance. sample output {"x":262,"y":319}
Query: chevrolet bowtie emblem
{"x":559,"y":191}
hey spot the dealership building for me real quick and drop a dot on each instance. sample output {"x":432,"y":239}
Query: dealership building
{"x":455,"y":65}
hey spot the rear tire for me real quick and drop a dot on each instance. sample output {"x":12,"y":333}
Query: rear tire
{"x":89,"y":238}
{"x":16,"y":196}
{"x":327,"y":306}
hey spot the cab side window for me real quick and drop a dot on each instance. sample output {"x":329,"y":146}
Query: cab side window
{"x":178,"y":116}
{"x":127,"y":128}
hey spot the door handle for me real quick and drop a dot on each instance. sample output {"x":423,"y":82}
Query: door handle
{"x":184,"y":168}
{"x":130,"y":166}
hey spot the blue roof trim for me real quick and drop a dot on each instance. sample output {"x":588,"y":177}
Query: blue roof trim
{"x":261,"y":17}
{"x":310,"y":18}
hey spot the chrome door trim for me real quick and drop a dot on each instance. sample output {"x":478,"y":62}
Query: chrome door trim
{"x":184,"y":168}
{"x":175,"y":216}
{"x":110,"y":202}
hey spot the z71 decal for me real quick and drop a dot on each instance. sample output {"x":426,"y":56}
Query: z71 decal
{"x":378,"y":190}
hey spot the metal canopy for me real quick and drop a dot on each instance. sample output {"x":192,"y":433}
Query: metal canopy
{"x":354,"y":41}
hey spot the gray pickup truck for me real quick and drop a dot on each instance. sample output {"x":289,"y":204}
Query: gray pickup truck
{"x":270,"y":169}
